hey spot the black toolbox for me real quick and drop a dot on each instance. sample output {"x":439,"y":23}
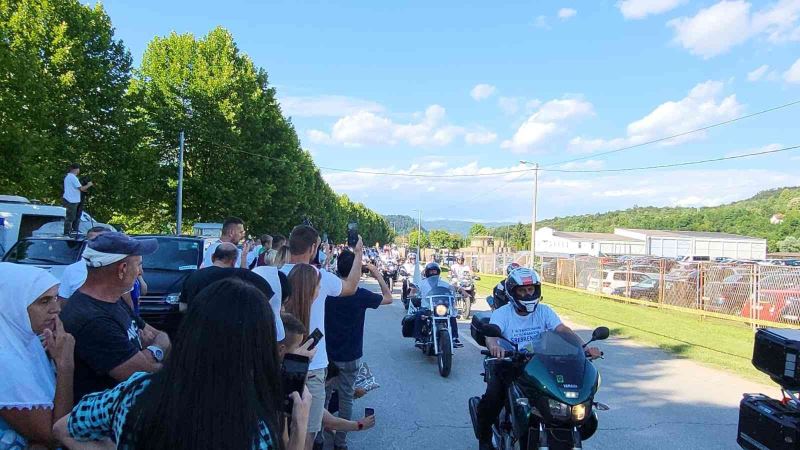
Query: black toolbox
{"x":479,"y":318}
{"x":765,"y":423}
{"x":776,"y":352}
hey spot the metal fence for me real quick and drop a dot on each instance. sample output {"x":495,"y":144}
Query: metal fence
{"x":750,"y":292}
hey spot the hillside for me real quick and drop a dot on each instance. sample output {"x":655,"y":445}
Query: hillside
{"x":405,"y":224}
{"x":401,"y":224}
{"x":749,"y":217}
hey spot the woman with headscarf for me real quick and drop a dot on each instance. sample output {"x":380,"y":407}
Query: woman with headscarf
{"x":36,"y":355}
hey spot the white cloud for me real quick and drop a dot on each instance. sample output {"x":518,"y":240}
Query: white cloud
{"x":545,"y":122}
{"x":326,"y":106}
{"x":566,"y":13}
{"x":724,"y":25}
{"x":428,"y":128}
{"x":639,"y":9}
{"x":793,"y":74}
{"x":482,"y":91}
{"x":541,"y":22}
{"x":509,"y":105}
{"x":704,"y":105}
{"x":764,"y":148}
{"x":480,"y":137}
{"x":757,"y":74}
{"x":589,"y":164}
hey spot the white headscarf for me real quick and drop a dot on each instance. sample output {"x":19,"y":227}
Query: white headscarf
{"x":27,"y":379}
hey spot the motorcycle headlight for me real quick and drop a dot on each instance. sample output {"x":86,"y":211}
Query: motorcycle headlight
{"x":558,"y":410}
{"x":440,"y":310}
{"x":173,"y":299}
{"x":578,"y":412}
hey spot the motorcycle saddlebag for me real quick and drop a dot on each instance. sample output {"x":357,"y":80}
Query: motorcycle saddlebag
{"x":765,"y":423}
{"x":478,"y":319}
{"x":408,"y":326}
{"x":776,"y":352}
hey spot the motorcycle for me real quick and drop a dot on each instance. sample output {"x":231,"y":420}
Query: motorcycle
{"x":407,"y":286}
{"x":389,"y":271}
{"x":436,"y":336}
{"x":464,"y":283}
{"x":550,"y":403}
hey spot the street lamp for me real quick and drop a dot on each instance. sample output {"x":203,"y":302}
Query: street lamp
{"x":535,"y":200}
{"x":419,"y":233}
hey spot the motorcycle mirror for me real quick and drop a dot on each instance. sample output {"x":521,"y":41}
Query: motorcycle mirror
{"x":491,"y":330}
{"x":600,"y":333}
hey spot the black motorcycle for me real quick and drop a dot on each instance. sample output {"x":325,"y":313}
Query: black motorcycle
{"x":436,"y":336}
{"x":389,"y":271}
{"x":550,"y":403}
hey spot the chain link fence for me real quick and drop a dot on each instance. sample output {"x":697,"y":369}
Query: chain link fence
{"x":746,"y":290}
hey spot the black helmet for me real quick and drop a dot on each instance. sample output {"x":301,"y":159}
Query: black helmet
{"x":432,"y":270}
{"x":524,"y":277}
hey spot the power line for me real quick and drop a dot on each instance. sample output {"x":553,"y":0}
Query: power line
{"x":685,"y":133}
{"x":685,"y":163}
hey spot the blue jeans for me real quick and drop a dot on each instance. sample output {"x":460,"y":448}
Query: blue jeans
{"x":344,"y":385}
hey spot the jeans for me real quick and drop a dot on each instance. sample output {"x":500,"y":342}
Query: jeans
{"x":491,"y":403}
{"x":72,"y":220}
{"x":344,"y":384}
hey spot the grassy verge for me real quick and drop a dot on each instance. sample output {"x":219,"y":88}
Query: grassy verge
{"x":719,"y":343}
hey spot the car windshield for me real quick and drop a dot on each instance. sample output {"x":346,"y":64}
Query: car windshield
{"x":173,"y":254}
{"x":45,"y":251}
{"x":647,"y":282}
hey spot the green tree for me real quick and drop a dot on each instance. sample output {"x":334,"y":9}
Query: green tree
{"x":416,"y":239}
{"x":790,"y":244}
{"x":478,"y":230}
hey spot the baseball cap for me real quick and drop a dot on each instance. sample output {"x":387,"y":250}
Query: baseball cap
{"x":112,"y":246}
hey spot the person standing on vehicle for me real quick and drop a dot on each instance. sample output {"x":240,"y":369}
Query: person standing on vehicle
{"x":522,"y":321}
{"x":233,"y":232}
{"x":71,"y":198}
{"x":344,"y":322}
{"x":431,"y":280}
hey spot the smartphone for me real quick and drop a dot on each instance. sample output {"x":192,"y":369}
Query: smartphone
{"x":293,"y":377}
{"x":316,"y":335}
{"x":369,"y":412}
{"x":352,"y":234}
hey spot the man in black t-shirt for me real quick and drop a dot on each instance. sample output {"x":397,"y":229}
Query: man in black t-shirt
{"x":111,"y":342}
{"x":344,"y":325}
{"x":223,"y":260}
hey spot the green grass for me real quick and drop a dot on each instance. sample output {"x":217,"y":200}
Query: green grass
{"x":718,"y":343}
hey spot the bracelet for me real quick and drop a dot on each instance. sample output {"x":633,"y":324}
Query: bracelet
{"x":360,"y":425}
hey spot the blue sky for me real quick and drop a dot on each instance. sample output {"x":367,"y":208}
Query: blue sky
{"x":472,"y":87}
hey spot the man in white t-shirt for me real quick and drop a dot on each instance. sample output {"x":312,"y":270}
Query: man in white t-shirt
{"x":71,"y":198}
{"x":459,"y":268}
{"x":522,"y":321}
{"x":304,"y":244}
{"x":75,"y":274}
{"x":233,"y":232}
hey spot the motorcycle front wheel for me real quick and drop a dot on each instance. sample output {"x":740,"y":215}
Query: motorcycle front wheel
{"x":467,"y":308}
{"x":445,"y":357}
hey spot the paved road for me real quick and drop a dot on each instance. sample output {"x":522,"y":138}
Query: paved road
{"x":657,"y":401}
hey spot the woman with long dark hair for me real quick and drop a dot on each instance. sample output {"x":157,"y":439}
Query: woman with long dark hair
{"x":219,"y":388}
{"x":304,"y":280}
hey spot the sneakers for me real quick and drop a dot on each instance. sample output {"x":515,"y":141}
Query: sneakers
{"x":457,"y":343}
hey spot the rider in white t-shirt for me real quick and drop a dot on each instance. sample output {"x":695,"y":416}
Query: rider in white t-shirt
{"x":459,"y":268}
{"x":522,"y":321}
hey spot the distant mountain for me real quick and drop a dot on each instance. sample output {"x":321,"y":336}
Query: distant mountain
{"x":404,"y":224}
{"x":773,"y":215}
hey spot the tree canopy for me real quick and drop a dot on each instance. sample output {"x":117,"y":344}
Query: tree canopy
{"x":68,"y":94}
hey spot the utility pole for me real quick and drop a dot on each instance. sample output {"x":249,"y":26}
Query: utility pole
{"x":533,"y":215}
{"x":180,"y":187}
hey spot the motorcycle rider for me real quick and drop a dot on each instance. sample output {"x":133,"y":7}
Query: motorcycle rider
{"x":408,"y":268}
{"x":522,"y":321}
{"x":499,"y":292}
{"x":431,"y":280}
{"x":459,"y":268}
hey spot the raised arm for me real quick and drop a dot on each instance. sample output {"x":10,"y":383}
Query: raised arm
{"x":351,"y":283}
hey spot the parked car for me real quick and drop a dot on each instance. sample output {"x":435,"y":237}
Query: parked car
{"x":647,"y":289}
{"x":165,"y":271}
{"x":727,"y":296}
{"x":778,"y":298}
{"x":613,"y":279}
{"x":53,"y":254}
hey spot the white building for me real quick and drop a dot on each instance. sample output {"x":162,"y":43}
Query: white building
{"x":673,"y":244}
{"x":549,"y":240}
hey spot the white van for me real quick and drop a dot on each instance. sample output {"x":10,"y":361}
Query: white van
{"x":20,"y":218}
{"x":613,"y":279}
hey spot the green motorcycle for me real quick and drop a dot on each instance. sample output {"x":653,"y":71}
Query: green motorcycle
{"x":551,"y":387}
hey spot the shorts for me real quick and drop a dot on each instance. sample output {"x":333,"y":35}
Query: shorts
{"x":316,"y":386}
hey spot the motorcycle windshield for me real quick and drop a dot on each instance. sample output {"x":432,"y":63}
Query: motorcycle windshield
{"x":558,"y":366}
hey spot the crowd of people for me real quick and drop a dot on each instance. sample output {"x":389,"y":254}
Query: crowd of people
{"x":86,"y":372}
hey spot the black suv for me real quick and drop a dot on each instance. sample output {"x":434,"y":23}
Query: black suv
{"x":165,"y":270}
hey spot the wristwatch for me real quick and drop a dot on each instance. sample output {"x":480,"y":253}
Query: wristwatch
{"x":158,"y":354}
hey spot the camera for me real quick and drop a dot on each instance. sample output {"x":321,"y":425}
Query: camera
{"x":766,"y":422}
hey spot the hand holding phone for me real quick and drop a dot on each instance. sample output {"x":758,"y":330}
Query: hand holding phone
{"x":352,"y":234}
{"x":369,"y":412}
{"x":315,"y":336}
{"x":293,"y":377}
